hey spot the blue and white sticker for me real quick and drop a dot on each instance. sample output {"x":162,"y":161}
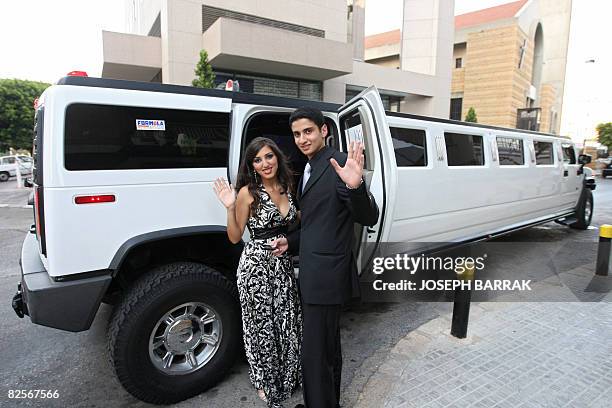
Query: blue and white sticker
{"x":150,"y":124}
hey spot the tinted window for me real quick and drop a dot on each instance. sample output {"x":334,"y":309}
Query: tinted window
{"x":464,"y":150}
{"x":409,"y":146}
{"x":510,"y":151}
{"x":569,"y":154}
{"x":102,"y":137}
{"x":544,"y":152}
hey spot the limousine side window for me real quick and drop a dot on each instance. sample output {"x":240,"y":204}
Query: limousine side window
{"x":105,"y":137}
{"x":464,"y":150}
{"x":544,"y":152}
{"x":409,"y":146}
{"x":569,"y":155}
{"x":510,"y":151}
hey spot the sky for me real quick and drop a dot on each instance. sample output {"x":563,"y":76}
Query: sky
{"x":44,"y":40}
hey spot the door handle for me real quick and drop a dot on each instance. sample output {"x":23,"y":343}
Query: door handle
{"x":565,"y":173}
{"x":370,"y":230}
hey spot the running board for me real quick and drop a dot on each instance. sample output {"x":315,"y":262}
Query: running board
{"x":567,"y":221}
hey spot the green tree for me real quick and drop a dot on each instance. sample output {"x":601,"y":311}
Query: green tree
{"x":604,"y":134}
{"x":17,"y":112}
{"x":471,"y":116}
{"x":205,"y":77}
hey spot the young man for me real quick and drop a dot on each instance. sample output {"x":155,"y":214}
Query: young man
{"x":332,"y":196}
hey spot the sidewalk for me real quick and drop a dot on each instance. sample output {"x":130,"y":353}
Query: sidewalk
{"x":555,"y":354}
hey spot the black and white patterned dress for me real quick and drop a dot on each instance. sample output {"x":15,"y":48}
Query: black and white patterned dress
{"x":271,"y":312}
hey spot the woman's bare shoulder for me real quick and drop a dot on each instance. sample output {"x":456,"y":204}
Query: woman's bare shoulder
{"x":245,"y":195}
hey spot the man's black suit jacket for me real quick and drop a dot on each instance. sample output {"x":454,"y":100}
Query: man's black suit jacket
{"x":328,"y":273}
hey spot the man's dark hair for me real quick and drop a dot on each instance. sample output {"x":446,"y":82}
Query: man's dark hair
{"x":308,"y":113}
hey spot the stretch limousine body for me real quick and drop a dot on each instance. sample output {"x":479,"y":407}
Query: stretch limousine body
{"x":125,"y":212}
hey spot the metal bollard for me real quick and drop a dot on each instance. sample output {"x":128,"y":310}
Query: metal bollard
{"x":18,"y":174}
{"x":602,"y":267}
{"x":461,"y":307}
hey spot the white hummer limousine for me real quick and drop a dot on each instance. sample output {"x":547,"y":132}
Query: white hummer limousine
{"x":125,"y":212}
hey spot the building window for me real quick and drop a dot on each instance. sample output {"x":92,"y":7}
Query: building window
{"x":464,"y":150}
{"x":409,"y":146}
{"x":458,"y":62}
{"x":528,"y":118}
{"x":109,"y":137}
{"x":544,"y":153}
{"x":390,"y":102}
{"x":455,"y":108}
{"x":521,"y":53}
{"x":510,"y":151}
{"x":259,"y":84}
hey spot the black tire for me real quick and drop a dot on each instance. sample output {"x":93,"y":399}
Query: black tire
{"x":4,"y":176}
{"x":584,"y":210}
{"x":138,"y":314}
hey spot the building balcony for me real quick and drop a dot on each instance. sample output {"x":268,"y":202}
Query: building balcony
{"x":254,"y":48}
{"x":130,"y":56}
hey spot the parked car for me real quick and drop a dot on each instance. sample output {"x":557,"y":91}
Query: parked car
{"x":607,"y":171}
{"x":7,"y":166}
{"x":125,"y":213}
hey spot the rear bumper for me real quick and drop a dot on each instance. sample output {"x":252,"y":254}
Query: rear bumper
{"x":69,"y":305}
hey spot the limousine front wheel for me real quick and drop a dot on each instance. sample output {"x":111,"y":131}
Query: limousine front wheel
{"x":584,"y":211}
{"x":175,"y":333}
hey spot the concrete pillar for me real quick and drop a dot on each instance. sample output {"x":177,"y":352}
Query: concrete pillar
{"x":165,"y":46}
{"x":334,"y":90}
{"x":181,"y":27}
{"x":428,"y":30}
{"x":357,"y":29}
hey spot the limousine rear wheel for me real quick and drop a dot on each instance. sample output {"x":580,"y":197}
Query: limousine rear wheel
{"x":175,"y":333}
{"x":584,"y":211}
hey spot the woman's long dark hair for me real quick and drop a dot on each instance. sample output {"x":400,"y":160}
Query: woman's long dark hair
{"x":247,"y":176}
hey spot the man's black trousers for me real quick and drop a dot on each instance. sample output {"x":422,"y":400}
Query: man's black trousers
{"x":321,"y":355}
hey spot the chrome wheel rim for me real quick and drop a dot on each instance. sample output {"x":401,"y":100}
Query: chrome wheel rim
{"x":185,"y":338}
{"x":587,"y":212}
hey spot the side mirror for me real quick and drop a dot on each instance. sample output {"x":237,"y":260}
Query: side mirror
{"x":584,"y":159}
{"x":28,"y":183}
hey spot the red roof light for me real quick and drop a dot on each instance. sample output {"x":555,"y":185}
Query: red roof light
{"x":77,"y":73}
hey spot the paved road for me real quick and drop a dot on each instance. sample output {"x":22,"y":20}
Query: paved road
{"x":75,"y":364}
{"x":11,"y":196}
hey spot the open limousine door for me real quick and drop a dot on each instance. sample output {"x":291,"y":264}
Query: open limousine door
{"x":363,"y":119}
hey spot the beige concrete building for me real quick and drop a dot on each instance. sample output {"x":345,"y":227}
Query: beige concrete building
{"x":311,"y":49}
{"x":508,"y":63}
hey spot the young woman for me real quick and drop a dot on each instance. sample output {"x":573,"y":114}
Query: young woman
{"x":271,"y":314}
